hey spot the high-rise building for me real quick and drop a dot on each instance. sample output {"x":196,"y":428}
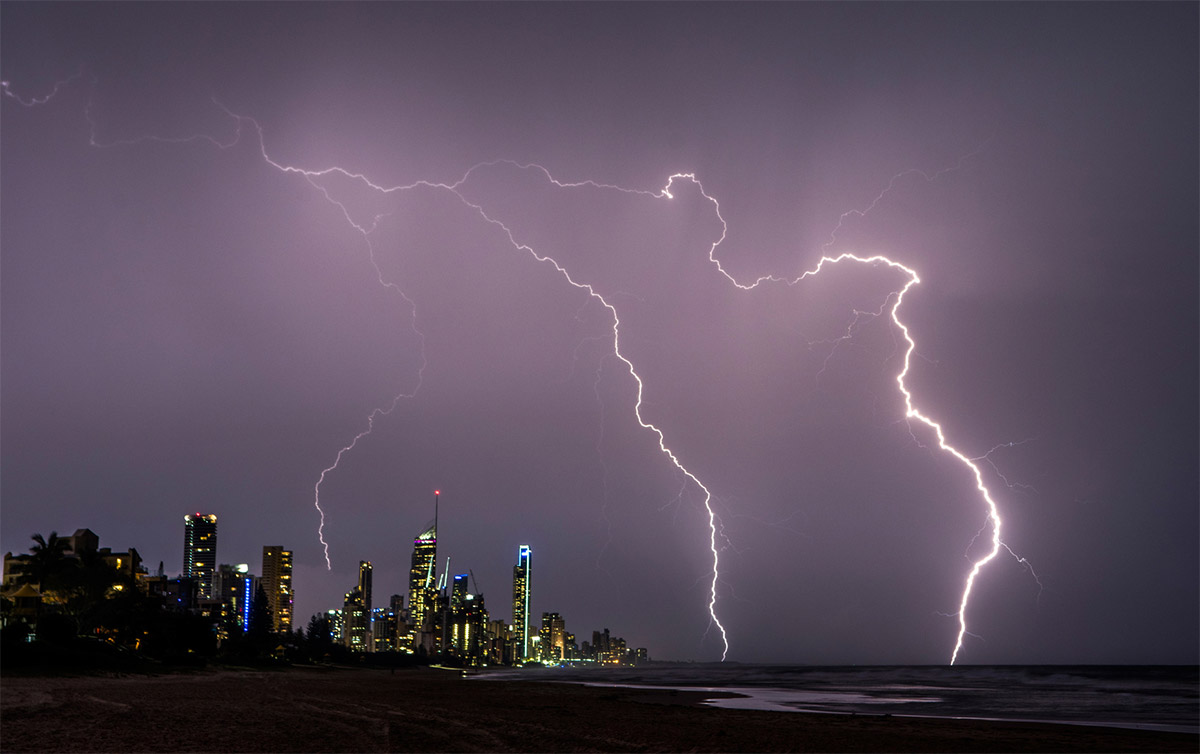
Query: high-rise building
{"x":336,"y":624}
{"x":365,"y":570}
{"x":456,"y":640}
{"x":200,"y":551}
{"x":233,"y":586}
{"x":472,"y":627}
{"x":499,"y":643}
{"x":464,"y":623}
{"x":520,"y":621}
{"x":422,"y":579}
{"x":554,"y":634}
{"x":458,"y":593}
{"x":356,"y":622}
{"x":601,"y":646}
{"x":383,"y":629}
{"x":277,"y":583}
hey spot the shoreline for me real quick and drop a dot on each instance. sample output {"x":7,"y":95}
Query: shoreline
{"x":332,"y":709}
{"x":721,"y":697}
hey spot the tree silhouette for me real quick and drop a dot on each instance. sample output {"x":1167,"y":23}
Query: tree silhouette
{"x":47,"y":559}
{"x":261,"y":621}
{"x":260,"y":636}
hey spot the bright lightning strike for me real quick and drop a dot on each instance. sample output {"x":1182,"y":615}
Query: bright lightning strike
{"x":911,"y":410}
{"x":896,"y":299}
{"x":913,"y":413}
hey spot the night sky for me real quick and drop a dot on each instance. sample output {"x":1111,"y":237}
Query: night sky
{"x":189,"y":328}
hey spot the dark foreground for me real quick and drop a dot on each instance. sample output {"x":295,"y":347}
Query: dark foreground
{"x":337,"y":710}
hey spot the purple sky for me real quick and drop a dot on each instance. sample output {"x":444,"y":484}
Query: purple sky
{"x":188,"y":328}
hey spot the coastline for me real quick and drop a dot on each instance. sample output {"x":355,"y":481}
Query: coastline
{"x":754,"y":698}
{"x":335,"y":709}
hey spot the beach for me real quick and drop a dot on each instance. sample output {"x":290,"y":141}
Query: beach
{"x":412,"y":710}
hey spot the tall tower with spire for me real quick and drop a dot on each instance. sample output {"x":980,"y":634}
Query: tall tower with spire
{"x":422,"y":577}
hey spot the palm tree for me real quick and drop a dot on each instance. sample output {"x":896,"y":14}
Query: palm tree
{"x":47,"y":559}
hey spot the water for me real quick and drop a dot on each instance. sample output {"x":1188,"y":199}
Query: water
{"x":1126,"y":696}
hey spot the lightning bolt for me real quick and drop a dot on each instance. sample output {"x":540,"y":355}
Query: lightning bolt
{"x":891,"y":306}
{"x":616,"y":340}
{"x":338,"y":459}
{"x":312,"y":177}
{"x":911,"y":412}
{"x":988,"y":457}
{"x":6,"y":88}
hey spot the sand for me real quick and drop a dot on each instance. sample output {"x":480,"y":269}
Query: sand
{"x":349,"y":710}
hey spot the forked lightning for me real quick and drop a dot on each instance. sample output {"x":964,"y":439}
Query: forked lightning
{"x":891,"y":305}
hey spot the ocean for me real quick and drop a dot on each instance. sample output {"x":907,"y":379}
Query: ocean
{"x":1151,"y":697}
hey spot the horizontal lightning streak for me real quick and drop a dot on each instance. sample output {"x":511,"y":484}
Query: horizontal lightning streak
{"x":6,"y":88}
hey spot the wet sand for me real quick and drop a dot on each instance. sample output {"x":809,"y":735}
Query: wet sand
{"x":427,"y":710}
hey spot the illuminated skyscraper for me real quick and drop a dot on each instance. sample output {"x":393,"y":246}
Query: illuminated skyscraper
{"x":277,"y":583}
{"x":458,"y":593}
{"x":422,"y":584}
{"x":233,"y":585}
{"x":473,"y":631}
{"x":200,"y":551}
{"x":356,"y":622}
{"x":365,"y":570}
{"x":520,"y":622}
{"x":383,"y":629}
{"x":554,"y":634}
{"x":457,"y":624}
{"x":356,"y":611}
{"x":336,"y":624}
{"x":464,"y":624}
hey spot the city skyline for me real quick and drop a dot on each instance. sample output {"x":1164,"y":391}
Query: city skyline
{"x":202,"y":528}
{"x":300,"y":265}
{"x":451,"y":623}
